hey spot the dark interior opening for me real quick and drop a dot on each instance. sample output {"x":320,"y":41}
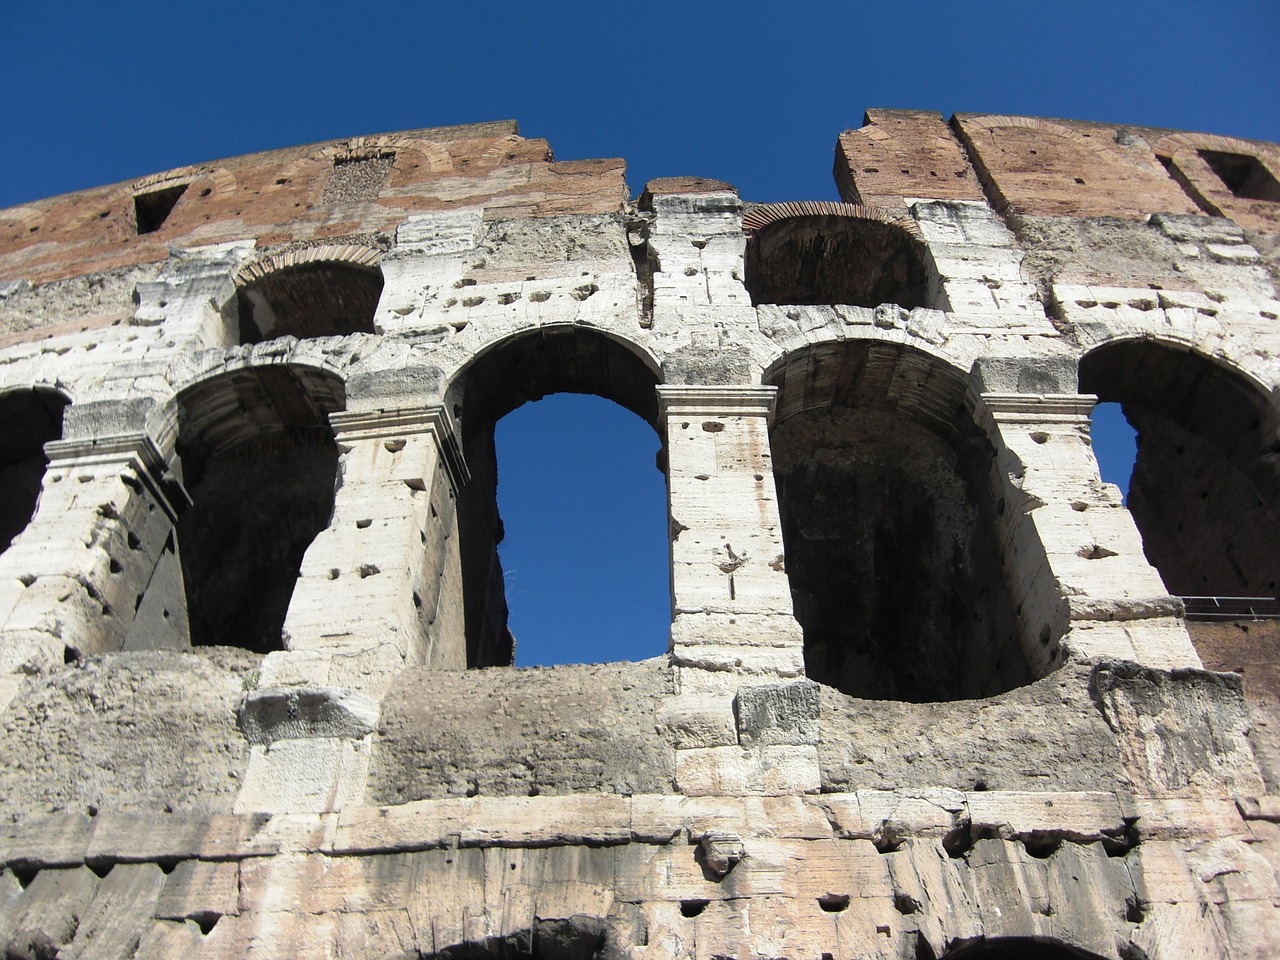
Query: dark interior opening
{"x":152,"y":209}
{"x":260,"y":463}
{"x":1018,"y":948}
{"x":1244,"y":175}
{"x":559,"y":359}
{"x":322,"y":298}
{"x":889,"y":523}
{"x":1206,"y":482}
{"x":828,"y":259}
{"x":28,"y":420}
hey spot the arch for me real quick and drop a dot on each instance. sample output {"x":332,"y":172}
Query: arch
{"x":259,"y":462}
{"x":321,"y":291}
{"x":889,"y":524}
{"x":997,"y":122}
{"x":1206,"y":484}
{"x":829,"y":253}
{"x":1016,"y":948}
{"x":29,"y":419}
{"x":559,"y":358}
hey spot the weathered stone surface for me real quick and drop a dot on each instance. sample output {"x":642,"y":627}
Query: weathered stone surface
{"x":1048,"y":735}
{"x":144,"y":730}
{"x":522,"y":732}
{"x":933,"y":687}
{"x":1185,"y":730}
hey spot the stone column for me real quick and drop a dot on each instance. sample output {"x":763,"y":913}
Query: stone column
{"x":1079,"y":576}
{"x":95,"y":559}
{"x":734,"y":637}
{"x":381,"y":586}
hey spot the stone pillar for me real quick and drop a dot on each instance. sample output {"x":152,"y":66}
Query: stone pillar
{"x":76,"y":580}
{"x":381,"y":586}
{"x":744,"y":721}
{"x":731,"y":601}
{"x":1078,"y":573}
{"x":385,"y":573}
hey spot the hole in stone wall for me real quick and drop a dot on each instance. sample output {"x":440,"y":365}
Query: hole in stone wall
{"x":834,"y":259}
{"x":583,"y":508}
{"x":693,"y":908}
{"x":889,"y":523}
{"x":152,"y":209}
{"x":834,"y":902}
{"x":321,"y":298}
{"x":1201,"y":428}
{"x":1244,"y":175}
{"x":565,"y":360}
{"x":260,"y":463}
{"x":28,"y":420}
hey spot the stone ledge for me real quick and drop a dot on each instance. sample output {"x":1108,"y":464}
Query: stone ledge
{"x":71,"y":839}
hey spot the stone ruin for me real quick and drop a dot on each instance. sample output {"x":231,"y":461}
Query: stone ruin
{"x":932,"y":691}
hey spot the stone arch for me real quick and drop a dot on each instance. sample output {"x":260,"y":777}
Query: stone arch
{"x":559,"y":358}
{"x":828,"y":253}
{"x":1205,"y":492}
{"x":889,"y":523}
{"x":1016,"y":948}
{"x":990,"y":123}
{"x":496,"y":155}
{"x":418,"y":158}
{"x":314,"y":291}
{"x":259,"y":462}
{"x":29,"y":418}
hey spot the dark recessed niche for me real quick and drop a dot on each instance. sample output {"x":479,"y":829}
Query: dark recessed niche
{"x":1244,"y":175}
{"x":153,"y":209}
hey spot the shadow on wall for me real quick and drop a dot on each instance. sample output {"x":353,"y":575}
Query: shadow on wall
{"x":890,"y":526}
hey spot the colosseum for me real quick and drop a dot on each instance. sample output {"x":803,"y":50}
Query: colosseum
{"x":933,"y":690}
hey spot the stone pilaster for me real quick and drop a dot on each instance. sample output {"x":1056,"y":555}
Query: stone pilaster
{"x":76,"y":579}
{"x":386,"y":572}
{"x":1078,"y":572}
{"x":381,"y":586}
{"x":733,"y":633}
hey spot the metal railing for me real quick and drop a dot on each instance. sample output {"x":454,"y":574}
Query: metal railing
{"x":1232,"y":608}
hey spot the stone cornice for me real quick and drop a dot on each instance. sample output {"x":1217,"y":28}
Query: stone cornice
{"x":137,"y":450}
{"x":400,"y":421}
{"x":729,"y":400}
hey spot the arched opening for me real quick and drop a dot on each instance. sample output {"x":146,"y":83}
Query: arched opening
{"x":259,"y":462}
{"x":889,"y":523}
{"x":1204,"y":495}
{"x":1206,"y":483}
{"x":833,"y":254}
{"x":306,"y":296}
{"x":28,"y":420}
{"x":559,"y":359}
{"x":584,"y":555}
{"x":1018,"y":948}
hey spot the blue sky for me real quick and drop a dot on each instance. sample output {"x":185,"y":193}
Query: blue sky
{"x":749,"y":92}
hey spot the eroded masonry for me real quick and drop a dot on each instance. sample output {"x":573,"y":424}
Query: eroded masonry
{"x":932,"y":690}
